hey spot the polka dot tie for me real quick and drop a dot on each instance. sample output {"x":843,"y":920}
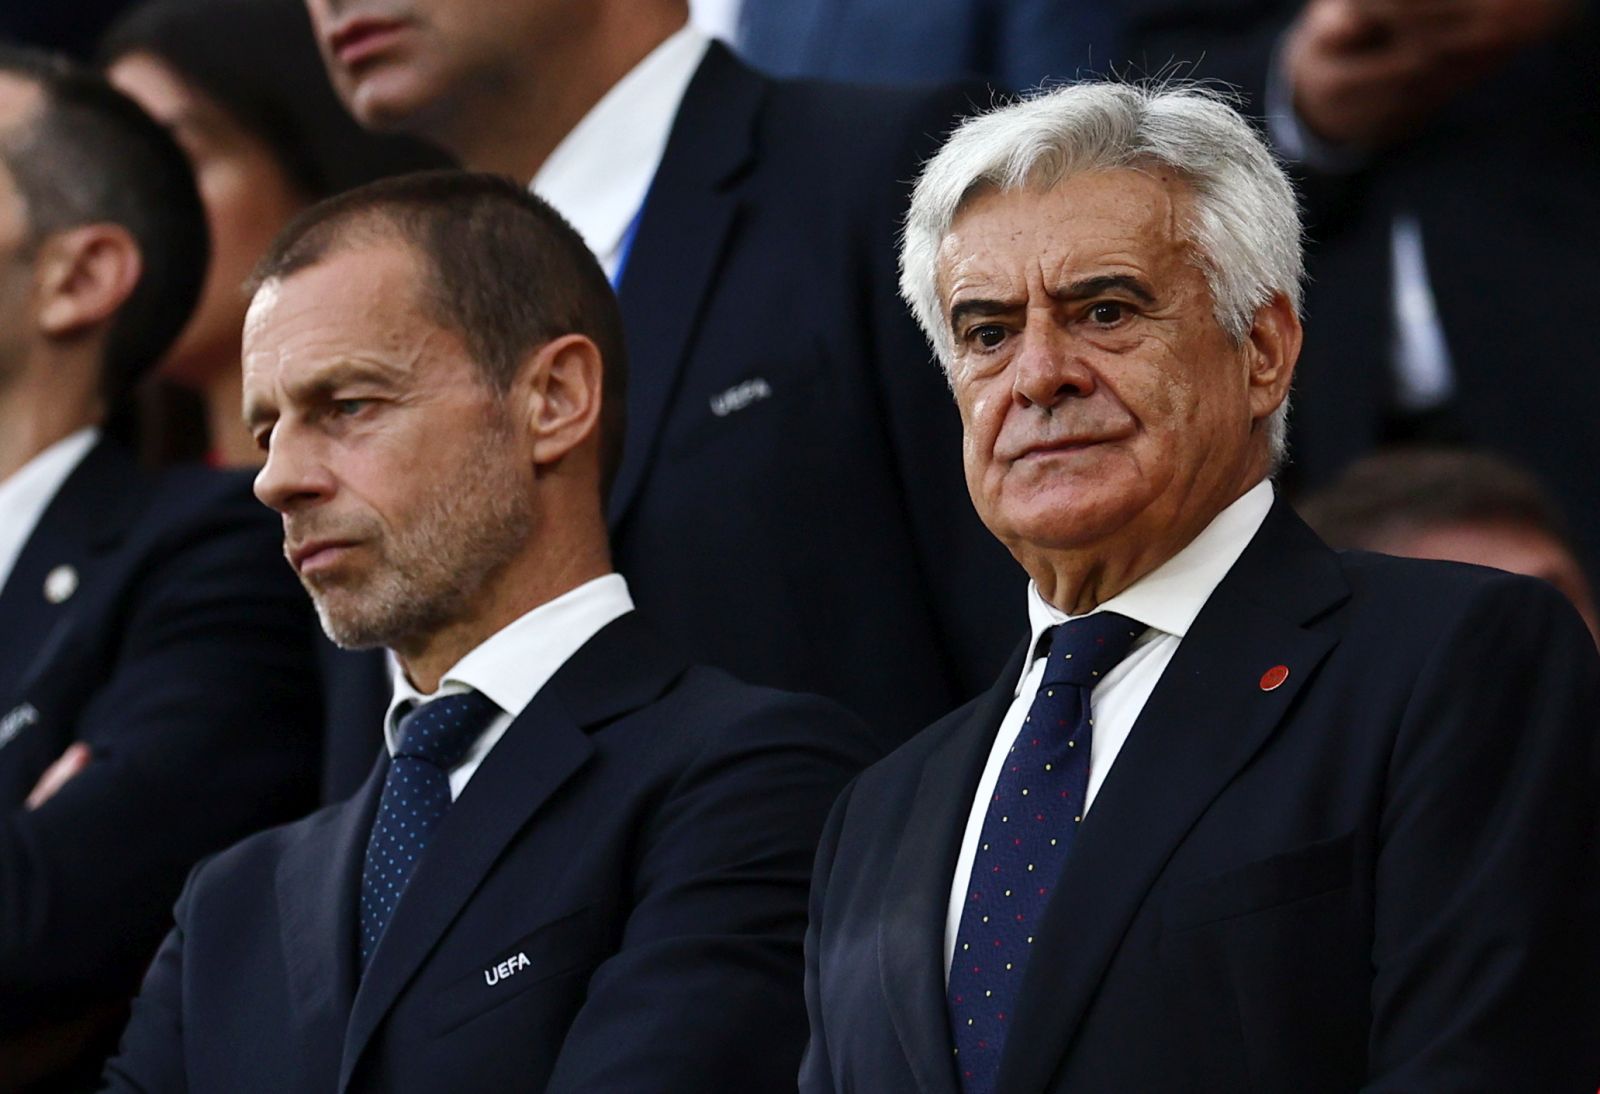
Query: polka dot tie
{"x":416,"y":796}
{"x":1027,"y":833}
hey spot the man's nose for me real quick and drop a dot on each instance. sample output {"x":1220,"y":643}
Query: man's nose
{"x":295,"y":474}
{"x":1049,"y":368}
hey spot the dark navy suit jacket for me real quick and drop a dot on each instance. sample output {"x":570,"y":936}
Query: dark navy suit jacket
{"x":183,"y":659}
{"x":1378,"y":876}
{"x":1016,"y":43}
{"x":791,"y":505}
{"x":615,"y":902}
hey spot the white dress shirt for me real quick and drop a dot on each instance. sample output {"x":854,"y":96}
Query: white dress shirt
{"x":599,"y":174}
{"x":511,"y":665}
{"x":27,"y":493}
{"x":1166,"y":601}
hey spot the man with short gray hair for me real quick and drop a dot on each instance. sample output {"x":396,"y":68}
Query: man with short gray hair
{"x":1241,"y":813}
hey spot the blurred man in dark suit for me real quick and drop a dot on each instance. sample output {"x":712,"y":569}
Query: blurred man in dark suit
{"x":1445,"y":150}
{"x":748,"y":225}
{"x":1242,"y":813}
{"x":157,"y":696}
{"x":580,"y":863}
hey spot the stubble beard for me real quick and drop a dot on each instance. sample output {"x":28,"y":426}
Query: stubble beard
{"x":429,"y":573}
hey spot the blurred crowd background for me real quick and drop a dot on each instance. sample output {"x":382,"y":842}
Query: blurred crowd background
{"x":1447,"y":154}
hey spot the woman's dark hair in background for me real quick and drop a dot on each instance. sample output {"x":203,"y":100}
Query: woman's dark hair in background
{"x":241,"y":85}
{"x":258,"y":60}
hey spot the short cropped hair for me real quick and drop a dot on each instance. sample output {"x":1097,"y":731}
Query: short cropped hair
{"x":502,"y":269}
{"x":92,"y":156}
{"x":1245,"y":226}
{"x":1416,"y":489}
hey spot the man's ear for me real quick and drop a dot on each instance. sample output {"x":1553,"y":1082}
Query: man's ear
{"x":82,"y":276}
{"x":1272,"y":348}
{"x":563,"y":397}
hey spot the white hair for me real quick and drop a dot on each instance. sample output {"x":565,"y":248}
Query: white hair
{"x":1245,"y":225}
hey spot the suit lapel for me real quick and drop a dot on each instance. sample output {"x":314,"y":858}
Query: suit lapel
{"x":88,"y":516}
{"x":1205,"y":720}
{"x":687,"y":220}
{"x":545,"y":747}
{"x":911,"y":925}
{"x":318,"y":879}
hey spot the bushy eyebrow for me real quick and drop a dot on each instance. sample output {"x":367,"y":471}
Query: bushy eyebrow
{"x":980,"y":308}
{"x":1106,"y":283}
{"x":1098,"y":286}
{"x":1082,"y":289}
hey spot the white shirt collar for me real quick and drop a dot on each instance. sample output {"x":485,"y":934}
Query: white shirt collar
{"x":511,"y":665}
{"x":1168,"y":598}
{"x":599,"y":174}
{"x":27,"y":492}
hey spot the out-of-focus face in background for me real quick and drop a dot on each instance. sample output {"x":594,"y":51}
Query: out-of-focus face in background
{"x":18,"y":101}
{"x":395,"y":60}
{"x":1515,"y":548}
{"x":248,"y":197}
{"x":1101,"y":399}
{"x":15,"y":272}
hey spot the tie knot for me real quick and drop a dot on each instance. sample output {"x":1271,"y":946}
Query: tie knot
{"x":441,"y":731}
{"x":1083,"y":650}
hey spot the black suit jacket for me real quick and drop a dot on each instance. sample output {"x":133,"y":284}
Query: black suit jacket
{"x":181,"y":659}
{"x":641,"y":836}
{"x":791,"y":505}
{"x":1378,"y":876}
{"x":1502,"y":183}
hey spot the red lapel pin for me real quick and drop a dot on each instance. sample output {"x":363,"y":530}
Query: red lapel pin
{"x":1274,"y":677}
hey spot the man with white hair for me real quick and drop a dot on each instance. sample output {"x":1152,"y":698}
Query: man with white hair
{"x":1241,"y":813}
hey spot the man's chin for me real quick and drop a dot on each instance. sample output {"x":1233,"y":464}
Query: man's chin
{"x":389,"y":100}
{"x":350,"y":629}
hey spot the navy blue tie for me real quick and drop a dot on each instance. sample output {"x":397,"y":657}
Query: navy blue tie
{"x":416,"y":796}
{"x":1027,"y":833}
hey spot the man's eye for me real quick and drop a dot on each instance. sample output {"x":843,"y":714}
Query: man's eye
{"x":264,"y":439}
{"x":1108,"y":313}
{"x":988,"y":336}
{"x":344,"y":408}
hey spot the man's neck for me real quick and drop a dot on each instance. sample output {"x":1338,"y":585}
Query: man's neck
{"x":1080,"y":580}
{"x":35,"y":415}
{"x":518,"y":591}
{"x":513,"y":128}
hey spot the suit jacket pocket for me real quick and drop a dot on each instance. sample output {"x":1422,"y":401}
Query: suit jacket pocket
{"x":1298,"y":874}
{"x":555,"y":948}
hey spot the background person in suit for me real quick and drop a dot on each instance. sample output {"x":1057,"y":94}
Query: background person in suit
{"x":1454,"y":504}
{"x":584,"y":866}
{"x":1242,"y":813}
{"x":1446,"y":150}
{"x":241,"y":86}
{"x":748,"y":226}
{"x":154,"y":652}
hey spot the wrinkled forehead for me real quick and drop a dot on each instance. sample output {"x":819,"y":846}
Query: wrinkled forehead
{"x":1141,"y":213}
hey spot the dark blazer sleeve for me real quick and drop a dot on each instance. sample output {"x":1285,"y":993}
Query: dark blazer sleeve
{"x":1484,"y":954}
{"x":816,"y":1067}
{"x":203,"y":730}
{"x":150,"y":1059}
{"x":705,"y":991}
